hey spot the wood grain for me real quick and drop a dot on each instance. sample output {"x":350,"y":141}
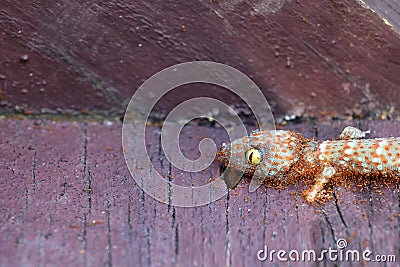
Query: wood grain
{"x":67,"y":198}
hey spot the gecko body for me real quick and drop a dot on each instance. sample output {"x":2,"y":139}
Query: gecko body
{"x":285,"y":157}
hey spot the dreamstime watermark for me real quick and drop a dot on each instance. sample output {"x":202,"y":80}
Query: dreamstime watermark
{"x":340,"y":253}
{"x":137,"y":116}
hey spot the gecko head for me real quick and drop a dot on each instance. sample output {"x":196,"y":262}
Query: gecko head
{"x":243,"y":154}
{"x":239,"y":158}
{"x":260,"y":155}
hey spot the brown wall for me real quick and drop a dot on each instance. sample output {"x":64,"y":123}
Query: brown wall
{"x":311,"y":58}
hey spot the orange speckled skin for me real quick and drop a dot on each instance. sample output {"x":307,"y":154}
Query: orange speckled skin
{"x":363,"y":156}
{"x":287,"y":154}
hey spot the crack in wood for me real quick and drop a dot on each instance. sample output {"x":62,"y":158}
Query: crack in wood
{"x":34,"y":185}
{"x":331,"y":229}
{"x":228,"y":247}
{"x":130,"y":226}
{"x":109,"y":243}
{"x":146,"y":254}
{"x":85,"y":241}
{"x":371,"y":213}
{"x":339,"y":212}
{"x":203,"y":238}
{"x":176,"y":243}
{"x":148,"y":245}
{"x":86,"y":170}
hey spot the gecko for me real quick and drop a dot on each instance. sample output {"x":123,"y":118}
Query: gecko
{"x":279,"y":158}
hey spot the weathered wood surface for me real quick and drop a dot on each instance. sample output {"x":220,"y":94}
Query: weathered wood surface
{"x":310,"y":58}
{"x":67,"y":198}
{"x":390,"y":10}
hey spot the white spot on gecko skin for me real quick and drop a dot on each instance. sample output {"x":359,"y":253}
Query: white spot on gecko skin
{"x":379,"y":150}
{"x":379,"y":167}
{"x":352,"y":144}
{"x":348,"y":151}
{"x":328,"y":172}
{"x":364,"y":164}
{"x":366,"y":169}
{"x":383,"y":143}
{"x":321,"y":157}
{"x":322,"y":147}
{"x":346,"y":158}
{"x":375,"y":160}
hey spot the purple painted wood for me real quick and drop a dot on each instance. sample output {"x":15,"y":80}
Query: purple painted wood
{"x":42,"y":183}
{"x":67,"y":197}
{"x":390,"y":10}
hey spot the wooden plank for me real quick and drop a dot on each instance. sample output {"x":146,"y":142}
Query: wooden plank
{"x":16,"y":177}
{"x":67,"y":196}
{"x":390,"y":10}
{"x":43,"y":214}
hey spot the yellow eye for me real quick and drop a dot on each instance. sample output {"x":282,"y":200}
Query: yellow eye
{"x":253,"y":156}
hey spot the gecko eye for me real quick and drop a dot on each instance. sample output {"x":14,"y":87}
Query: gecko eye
{"x":253,"y":156}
